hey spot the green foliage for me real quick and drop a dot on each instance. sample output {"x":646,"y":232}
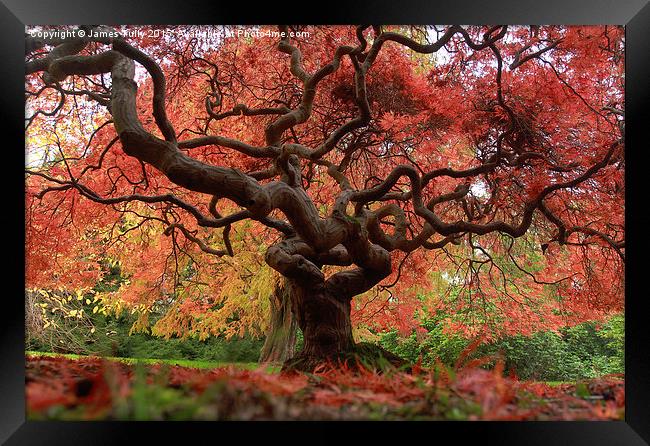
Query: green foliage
{"x":212,"y":349}
{"x":111,"y":338}
{"x":613,"y":332}
{"x":583,"y":351}
{"x":434,"y":344}
{"x":195,"y":364}
{"x":544,"y":356}
{"x":300,"y":340}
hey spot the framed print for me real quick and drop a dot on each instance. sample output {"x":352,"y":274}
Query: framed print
{"x":372,"y":213}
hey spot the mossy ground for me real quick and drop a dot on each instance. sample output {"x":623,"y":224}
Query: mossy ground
{"x":364,"y":354}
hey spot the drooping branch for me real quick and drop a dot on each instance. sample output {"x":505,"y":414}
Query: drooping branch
{"x":365,"y":196}
{"x":85,"y":191}
{"x":188,"y":172}
{"x":61,"y":50}
{"x":310,"y":82}
{"x":522,"y":60}
{"x":158,"y":78}
{"x":243,"y":110}
{"x":200,"y":243}
{"x":246,"y":149}
{"x":564,"y":231}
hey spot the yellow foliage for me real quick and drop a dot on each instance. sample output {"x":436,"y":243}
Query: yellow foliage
{"x":363,"y":334}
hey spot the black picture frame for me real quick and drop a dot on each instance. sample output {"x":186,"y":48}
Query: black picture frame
{"x":15,"y":14}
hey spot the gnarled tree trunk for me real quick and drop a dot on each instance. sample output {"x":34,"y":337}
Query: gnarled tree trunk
{"x":324,"y":318}
{"x":280,"y":340}
{"x":323,"y":315}
{"x":322,"y":304}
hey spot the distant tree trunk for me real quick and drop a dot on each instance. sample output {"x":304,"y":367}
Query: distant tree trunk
{"x":33,"y":319}
{"x":281,"y":337}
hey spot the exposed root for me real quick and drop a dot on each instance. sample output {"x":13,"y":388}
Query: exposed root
{"x":362,"y":355}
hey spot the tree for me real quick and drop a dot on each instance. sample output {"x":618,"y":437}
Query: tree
{"x":280,"y":342}
{"x":499,"y":149}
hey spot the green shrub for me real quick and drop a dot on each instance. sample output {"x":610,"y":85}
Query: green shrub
{"x":435,"y":344}
{"x":583,"y":351}
{"x":613,"y":332}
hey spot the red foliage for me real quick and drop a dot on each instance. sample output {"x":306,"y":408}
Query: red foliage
{"x":556,"y":107}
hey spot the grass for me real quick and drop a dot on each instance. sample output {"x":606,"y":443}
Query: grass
{"x":179,"y":362}
{"x":557,"y":383}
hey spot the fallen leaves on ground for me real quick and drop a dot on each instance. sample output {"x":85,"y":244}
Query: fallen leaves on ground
{"x":97,"y":389}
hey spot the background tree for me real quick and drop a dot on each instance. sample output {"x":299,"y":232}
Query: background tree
{"x":499,"y":167}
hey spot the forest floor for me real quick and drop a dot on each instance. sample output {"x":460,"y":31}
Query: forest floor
{"x":64,"y":387}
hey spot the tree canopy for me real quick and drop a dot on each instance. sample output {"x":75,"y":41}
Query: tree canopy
{"x":382,"y":171}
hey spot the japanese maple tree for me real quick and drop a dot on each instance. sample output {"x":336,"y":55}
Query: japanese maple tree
{"x":360,"y":158}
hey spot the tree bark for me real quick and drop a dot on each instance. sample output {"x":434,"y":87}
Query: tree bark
{"x":324,"y":318}
{"x":280,"y":341}
{"x":323,"y":314}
